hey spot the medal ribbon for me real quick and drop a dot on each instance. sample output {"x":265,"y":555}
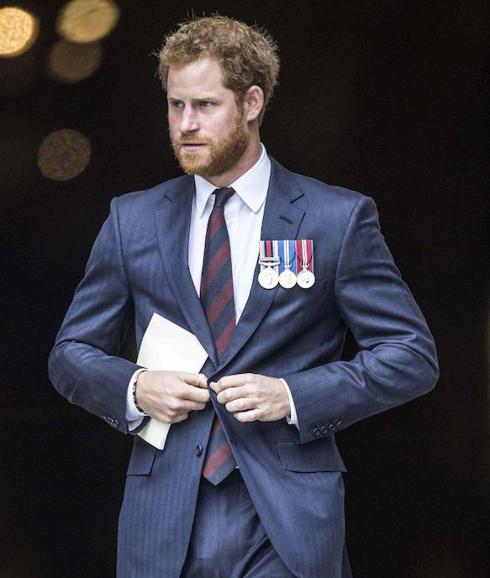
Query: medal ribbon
{"x":269,"y":249}
{"x":286,"y":249}
{"x":304,"y":255}
{"x":269,"y":255}
{"x":275,"y":249}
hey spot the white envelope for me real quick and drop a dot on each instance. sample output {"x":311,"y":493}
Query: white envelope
{"x":167,"y":346}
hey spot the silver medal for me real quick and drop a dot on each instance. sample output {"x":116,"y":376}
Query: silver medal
{"x":287,"y":279}
{"x":268,"y":278}
{"x":305,"y":279}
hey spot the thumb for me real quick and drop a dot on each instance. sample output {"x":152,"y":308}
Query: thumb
{"x":199,"y":380}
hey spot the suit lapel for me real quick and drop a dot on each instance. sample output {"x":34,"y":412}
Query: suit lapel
{"x":172,"y":226}
{"x":281,"y":221}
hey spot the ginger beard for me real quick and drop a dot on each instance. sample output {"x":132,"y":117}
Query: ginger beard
{"x":216,"y":158}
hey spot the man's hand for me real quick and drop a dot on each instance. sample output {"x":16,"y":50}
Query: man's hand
{"x":251,"y":397}
{"x":169,"y":395}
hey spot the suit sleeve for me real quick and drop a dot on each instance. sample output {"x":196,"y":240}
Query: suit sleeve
{"x":396,"y":361}
{"x":84,"y":365}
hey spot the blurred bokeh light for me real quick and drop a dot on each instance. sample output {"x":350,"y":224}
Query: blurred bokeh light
{"x":64,"y":154}
{"x":87,"y":20}
{"x":18,"y":31}
{"x":70,"y":62}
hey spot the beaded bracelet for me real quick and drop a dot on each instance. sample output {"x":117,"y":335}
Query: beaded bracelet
{"x":135,"y":401}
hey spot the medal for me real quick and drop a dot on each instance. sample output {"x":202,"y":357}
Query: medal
{"x":306,"y":278}
{"x":287,"y":278}
{"x":287,"y":263}
{"x":269,"y":264}
{"x":268,"y":278}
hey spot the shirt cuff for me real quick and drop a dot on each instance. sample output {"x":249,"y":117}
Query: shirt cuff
{"x":293,"y":418}
{"x":133,"y":416}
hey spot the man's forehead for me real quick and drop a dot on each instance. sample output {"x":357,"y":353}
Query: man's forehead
{"x":202,"y":71}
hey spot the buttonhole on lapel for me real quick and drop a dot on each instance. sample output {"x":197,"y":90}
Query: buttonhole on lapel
{"x":286,"y":219}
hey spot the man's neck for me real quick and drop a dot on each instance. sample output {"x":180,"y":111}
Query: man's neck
{"x":246,"y":162}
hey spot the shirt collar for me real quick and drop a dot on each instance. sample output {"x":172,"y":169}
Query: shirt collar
{"x":251,"y":187}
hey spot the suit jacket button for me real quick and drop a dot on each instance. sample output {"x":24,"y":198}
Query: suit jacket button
{"x":331,"y":427}
{"x":339,"y":423}
{"x":324,"y":430}
{"x":315,"y":431}
{"x":198,"y":450}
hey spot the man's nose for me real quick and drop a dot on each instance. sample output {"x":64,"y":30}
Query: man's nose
{"x":189,"y":121}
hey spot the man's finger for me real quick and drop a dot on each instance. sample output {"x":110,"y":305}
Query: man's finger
{"x":199,"y":380}
{"x":180,"y":418}
{"x":233,"y":393}
{"x":231,"y":381}
{"x":247,"y":416}
{"x":193,"y":393}
{"x":241,"y":405}
{"x":168,"y":418}
{"x":188,"y":406}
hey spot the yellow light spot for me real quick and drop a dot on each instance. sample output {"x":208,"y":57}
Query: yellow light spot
{"x":70,"y":62}
{"x":18,"y":31}
{"x":87,"y":20}
{"x":64,"y":154}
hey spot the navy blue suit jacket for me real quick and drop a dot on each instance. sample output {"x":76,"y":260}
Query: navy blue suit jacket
{"x":138,"y":266}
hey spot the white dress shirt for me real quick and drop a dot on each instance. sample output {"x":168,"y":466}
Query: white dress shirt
{"x":244,"y":212}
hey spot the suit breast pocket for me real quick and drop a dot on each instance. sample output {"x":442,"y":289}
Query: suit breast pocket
{"x":142,"y":458}
{"x":319,"y":456}
{"x":318,"y":296}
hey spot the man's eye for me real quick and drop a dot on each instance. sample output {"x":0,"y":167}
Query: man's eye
{"x":205,"y":104}
{"x":177,"y":104}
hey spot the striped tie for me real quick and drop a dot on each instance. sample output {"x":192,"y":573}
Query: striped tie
{"x":219,"y":306}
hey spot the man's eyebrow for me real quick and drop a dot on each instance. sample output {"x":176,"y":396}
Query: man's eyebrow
{"x":197,"y":99}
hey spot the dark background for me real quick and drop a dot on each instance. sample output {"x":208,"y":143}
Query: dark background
{"x":385,"y":97}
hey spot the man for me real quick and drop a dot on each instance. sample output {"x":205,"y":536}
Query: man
{"x":249,"y":483}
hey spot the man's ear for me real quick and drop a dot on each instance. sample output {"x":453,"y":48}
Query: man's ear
{"x":253,"y":102}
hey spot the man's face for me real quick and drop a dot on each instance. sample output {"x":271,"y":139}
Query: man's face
{"x":207,"y":128}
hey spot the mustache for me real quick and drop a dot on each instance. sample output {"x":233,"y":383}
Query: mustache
{"x":179,"y":141}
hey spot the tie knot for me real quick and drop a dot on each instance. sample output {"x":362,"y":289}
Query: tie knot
{"x":222,"y":196}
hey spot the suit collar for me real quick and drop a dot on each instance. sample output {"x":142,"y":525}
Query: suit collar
{"x":282,"y":219}
{"x":251,"y":187}
{"x":172,"y":224}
